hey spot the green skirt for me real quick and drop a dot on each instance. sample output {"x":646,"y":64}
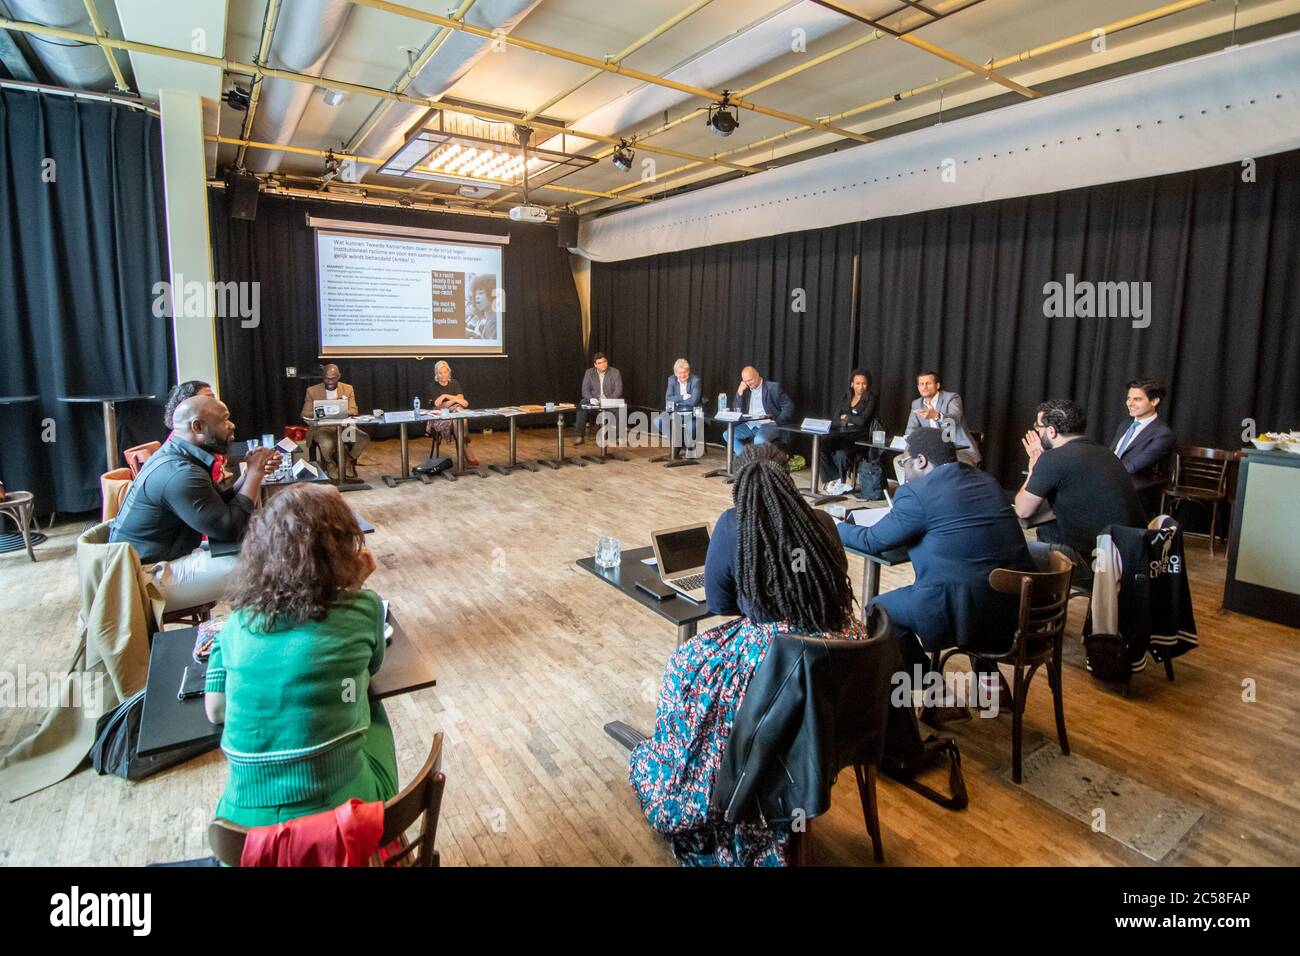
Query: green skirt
{"x":377,"y":780}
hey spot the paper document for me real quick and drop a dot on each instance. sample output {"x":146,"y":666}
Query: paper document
{"x":866,"y":517}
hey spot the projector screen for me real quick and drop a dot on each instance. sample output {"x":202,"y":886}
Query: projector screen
{"x":386,"y":290}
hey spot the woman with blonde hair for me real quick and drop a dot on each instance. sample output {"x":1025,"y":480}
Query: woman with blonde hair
{"x":448,"y":394}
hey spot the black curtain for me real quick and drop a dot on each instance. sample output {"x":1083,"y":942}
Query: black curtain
{"x":961,"y":291}
{"x":783,"y":305}
{"x":82,"y":243}
{"x":543,"y":319}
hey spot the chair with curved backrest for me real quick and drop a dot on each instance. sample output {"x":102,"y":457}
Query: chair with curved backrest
{"x":1037,"y":642}
{"x":421,"y":797}
{"x":1200,"y":475}
{"x":113,"y":486}
{"x":137,"y":456}
{"x":855,"y":710}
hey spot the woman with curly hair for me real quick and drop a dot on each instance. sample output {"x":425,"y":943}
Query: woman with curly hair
{"x":780,"y":565}
{"x":290,"y":670}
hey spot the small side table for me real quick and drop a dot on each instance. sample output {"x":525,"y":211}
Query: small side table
{"x":109,"y":405}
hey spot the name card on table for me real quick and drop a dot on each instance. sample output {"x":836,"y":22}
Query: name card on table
{"x":728,"y":415}
{"x":898,"y":444}
{"x":396,"y":418}
{"x":304,"y":467}
{"x":820,"y":425}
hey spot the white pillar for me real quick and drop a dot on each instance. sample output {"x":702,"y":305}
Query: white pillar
{"x":188,"y":244}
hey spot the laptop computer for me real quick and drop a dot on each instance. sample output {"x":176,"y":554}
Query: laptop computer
{"x":680,"y":553}
{"x":329,"y":408}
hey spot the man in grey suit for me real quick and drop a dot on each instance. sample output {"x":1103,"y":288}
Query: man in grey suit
{"x":600,"y":381}
{"x":939,"y":409}
{"x":682,"y":391}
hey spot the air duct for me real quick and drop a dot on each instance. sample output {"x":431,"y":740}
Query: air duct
{"x":305,"y":35}
{"x":453,"y":59}
{"x":76,"y":65}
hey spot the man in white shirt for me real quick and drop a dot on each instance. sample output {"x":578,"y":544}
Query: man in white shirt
{"x":598,"y":383}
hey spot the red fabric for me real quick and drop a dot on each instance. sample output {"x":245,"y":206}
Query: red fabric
{"x":345,"y":836}
{"x":218,"y":463}
{"x":296,"y":432}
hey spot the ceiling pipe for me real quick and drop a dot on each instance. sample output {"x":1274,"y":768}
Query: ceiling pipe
{"x":76,"y":64}
{"x":253,"y":69}
{"x":617,"y":68}
{"x":255,"y":97}
{"x":305,"y":34}
{"x":119,"y":80}
{"x":452,"y":57}
{"x":1087,"y":36}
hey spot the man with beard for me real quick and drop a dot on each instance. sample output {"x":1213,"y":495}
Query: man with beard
{"x":173,"y":503}
{"x":1085,"y":483}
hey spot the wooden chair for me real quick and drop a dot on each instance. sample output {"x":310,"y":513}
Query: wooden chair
{"x":191,"y":616}
{"x":1036,"y":643}
{"x":1201,"y":476}
{"x":17,"y":505}
{"x":421,"y":797}
{"x":137,"y":456}
{"x":113,"y":486}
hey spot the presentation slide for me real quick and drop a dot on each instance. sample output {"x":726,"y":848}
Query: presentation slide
{"x":403,"y":295}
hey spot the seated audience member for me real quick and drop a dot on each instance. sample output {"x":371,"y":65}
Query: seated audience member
{"x":598,"y":382}
{"x":177,"y":395}
{"x":448,"y":394}
{"x":771,"y":403}
{"x":326,"y":436}
{"x":174,"y":502}
{"x":856,"y":410}
{"x":943,"y":410}
{"x":750,"y":570}
{"x":957,"y":526}
{"x":289,"y":673}
{"x":481,"y":322}
{"x":1085,"y":484}
{"x":683,"y":389}
{"x":1144,"y":443}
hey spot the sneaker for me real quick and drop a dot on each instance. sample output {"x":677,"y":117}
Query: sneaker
{"x":579,"y":440}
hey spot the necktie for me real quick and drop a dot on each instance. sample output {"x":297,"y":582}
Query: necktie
{"x":1128,"y":437}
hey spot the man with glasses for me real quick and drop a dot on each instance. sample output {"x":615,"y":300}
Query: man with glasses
{"x":1086,"y":485}
{"x":957,"y":526}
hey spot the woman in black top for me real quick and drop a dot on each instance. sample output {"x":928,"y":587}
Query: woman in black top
{"x":856,"y":410}
{"x":447,"y":394}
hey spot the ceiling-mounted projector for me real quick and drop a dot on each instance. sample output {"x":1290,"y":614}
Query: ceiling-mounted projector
{"x":528,"y":214}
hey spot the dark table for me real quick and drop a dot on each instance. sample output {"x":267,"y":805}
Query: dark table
{"x":168,"y":722}
{"x":689,"y":457}
{"x":731,"y":427}
{"x":109,"y":405}
{"x":817,"y":436}
{"x":682,"y":612}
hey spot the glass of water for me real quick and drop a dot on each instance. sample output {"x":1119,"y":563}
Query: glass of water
{"x":608,"y":552}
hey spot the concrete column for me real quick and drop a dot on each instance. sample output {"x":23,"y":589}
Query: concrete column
{"x":188,"y":243}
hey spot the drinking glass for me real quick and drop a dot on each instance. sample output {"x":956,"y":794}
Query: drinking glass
{"x":608,"y":552}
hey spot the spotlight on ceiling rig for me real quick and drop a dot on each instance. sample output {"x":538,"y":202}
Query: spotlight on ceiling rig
{"x":623,"y":156}
{"x":237,"y":99}
{"x":331,"y":168}
{"x":722,"y":116}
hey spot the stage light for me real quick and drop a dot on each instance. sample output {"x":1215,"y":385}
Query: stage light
{"x":623,"y":156}
{"x":237,"y":99}
{"x":722,"y":116}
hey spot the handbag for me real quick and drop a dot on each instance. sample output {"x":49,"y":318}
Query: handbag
{"x":117,"y":734}
{"x":907,"y":755}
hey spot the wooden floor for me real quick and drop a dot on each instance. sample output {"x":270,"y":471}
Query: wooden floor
{"x":533,"y":655}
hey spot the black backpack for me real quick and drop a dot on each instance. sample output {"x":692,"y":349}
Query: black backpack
{"x":117,"y":734}
{"x":871,"y":481}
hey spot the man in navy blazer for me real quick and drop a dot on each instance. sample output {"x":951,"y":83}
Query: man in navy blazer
{"x":1144,"y":443}
{"x":598,"y":383}
{"x":683,"y":389}
{"x":957,"y":526}
{"x":757,"y":397}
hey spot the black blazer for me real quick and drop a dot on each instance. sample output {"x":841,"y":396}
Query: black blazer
{"x":862,"y":417}
{"x":1147,"y":456}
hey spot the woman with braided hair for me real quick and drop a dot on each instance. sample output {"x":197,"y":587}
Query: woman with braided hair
{"x":780,"y":565}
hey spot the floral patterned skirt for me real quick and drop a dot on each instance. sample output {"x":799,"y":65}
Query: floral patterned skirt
{"x":674,"y":771}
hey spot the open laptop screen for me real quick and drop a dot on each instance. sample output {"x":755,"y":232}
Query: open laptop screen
{"x":682,"y":550}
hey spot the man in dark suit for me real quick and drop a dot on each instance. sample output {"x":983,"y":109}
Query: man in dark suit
{"x":682,"y":391}
{"x":957,"y":526}
{"x":1144,"y":443}
{"x":756,"y":397}
{"x":600,"y":382}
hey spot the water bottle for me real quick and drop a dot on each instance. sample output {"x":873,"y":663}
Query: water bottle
{"x":722,"y":401}
{"x":416,"y":405}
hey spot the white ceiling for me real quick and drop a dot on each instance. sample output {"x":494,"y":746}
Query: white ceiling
{"x":373,"y":51}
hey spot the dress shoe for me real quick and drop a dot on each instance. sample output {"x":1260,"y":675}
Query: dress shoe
{"x":937,"y":716}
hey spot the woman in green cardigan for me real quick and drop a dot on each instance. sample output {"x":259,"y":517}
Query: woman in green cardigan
{"x":290,"y":671}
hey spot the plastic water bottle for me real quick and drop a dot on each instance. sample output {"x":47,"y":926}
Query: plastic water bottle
{"x":722,"y":401}
{"x":416,"y":405}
